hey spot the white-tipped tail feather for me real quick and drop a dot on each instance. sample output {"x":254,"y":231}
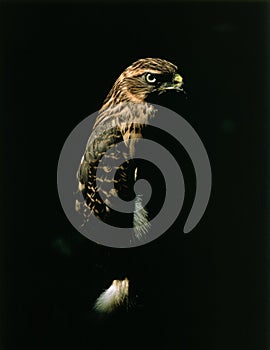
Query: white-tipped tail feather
{"x":141,"y":224}
{"x":113,"y":297}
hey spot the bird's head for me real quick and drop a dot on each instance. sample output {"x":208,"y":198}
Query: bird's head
{"x":142,"y":78}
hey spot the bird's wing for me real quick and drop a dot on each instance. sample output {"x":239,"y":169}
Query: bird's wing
{"x":96,"y":171}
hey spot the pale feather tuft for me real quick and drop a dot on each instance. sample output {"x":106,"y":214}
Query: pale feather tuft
{"x":113,"y":297}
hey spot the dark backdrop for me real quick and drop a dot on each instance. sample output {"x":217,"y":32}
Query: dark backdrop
{"x":204,"y":290}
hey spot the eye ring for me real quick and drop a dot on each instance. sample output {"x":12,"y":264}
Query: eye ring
{"x":150,"y":78}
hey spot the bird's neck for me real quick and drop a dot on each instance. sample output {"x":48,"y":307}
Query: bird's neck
{"x":129,"y":113}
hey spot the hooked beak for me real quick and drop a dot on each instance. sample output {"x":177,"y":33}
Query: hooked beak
{"x":175,"y":84}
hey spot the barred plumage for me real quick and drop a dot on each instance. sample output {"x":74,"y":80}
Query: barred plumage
{"x":122,"y":118}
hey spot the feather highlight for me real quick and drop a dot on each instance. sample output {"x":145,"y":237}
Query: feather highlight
{"x":113,"y":297}
{"x":141,"y":224}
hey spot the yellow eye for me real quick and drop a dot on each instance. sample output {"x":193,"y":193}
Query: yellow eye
{"x":150,"y":78}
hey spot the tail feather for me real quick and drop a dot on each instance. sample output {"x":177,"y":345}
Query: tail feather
{"x":113,"y":297}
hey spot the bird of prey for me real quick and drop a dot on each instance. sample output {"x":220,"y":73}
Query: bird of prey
{"x":121,"y":118}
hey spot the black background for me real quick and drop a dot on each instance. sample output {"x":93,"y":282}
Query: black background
{"x":204,"y":290}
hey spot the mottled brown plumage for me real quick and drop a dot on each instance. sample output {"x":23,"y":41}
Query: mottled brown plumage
{"x":122,"y":118}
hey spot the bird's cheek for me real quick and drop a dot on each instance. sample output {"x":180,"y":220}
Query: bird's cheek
{"x":138,"y":93}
